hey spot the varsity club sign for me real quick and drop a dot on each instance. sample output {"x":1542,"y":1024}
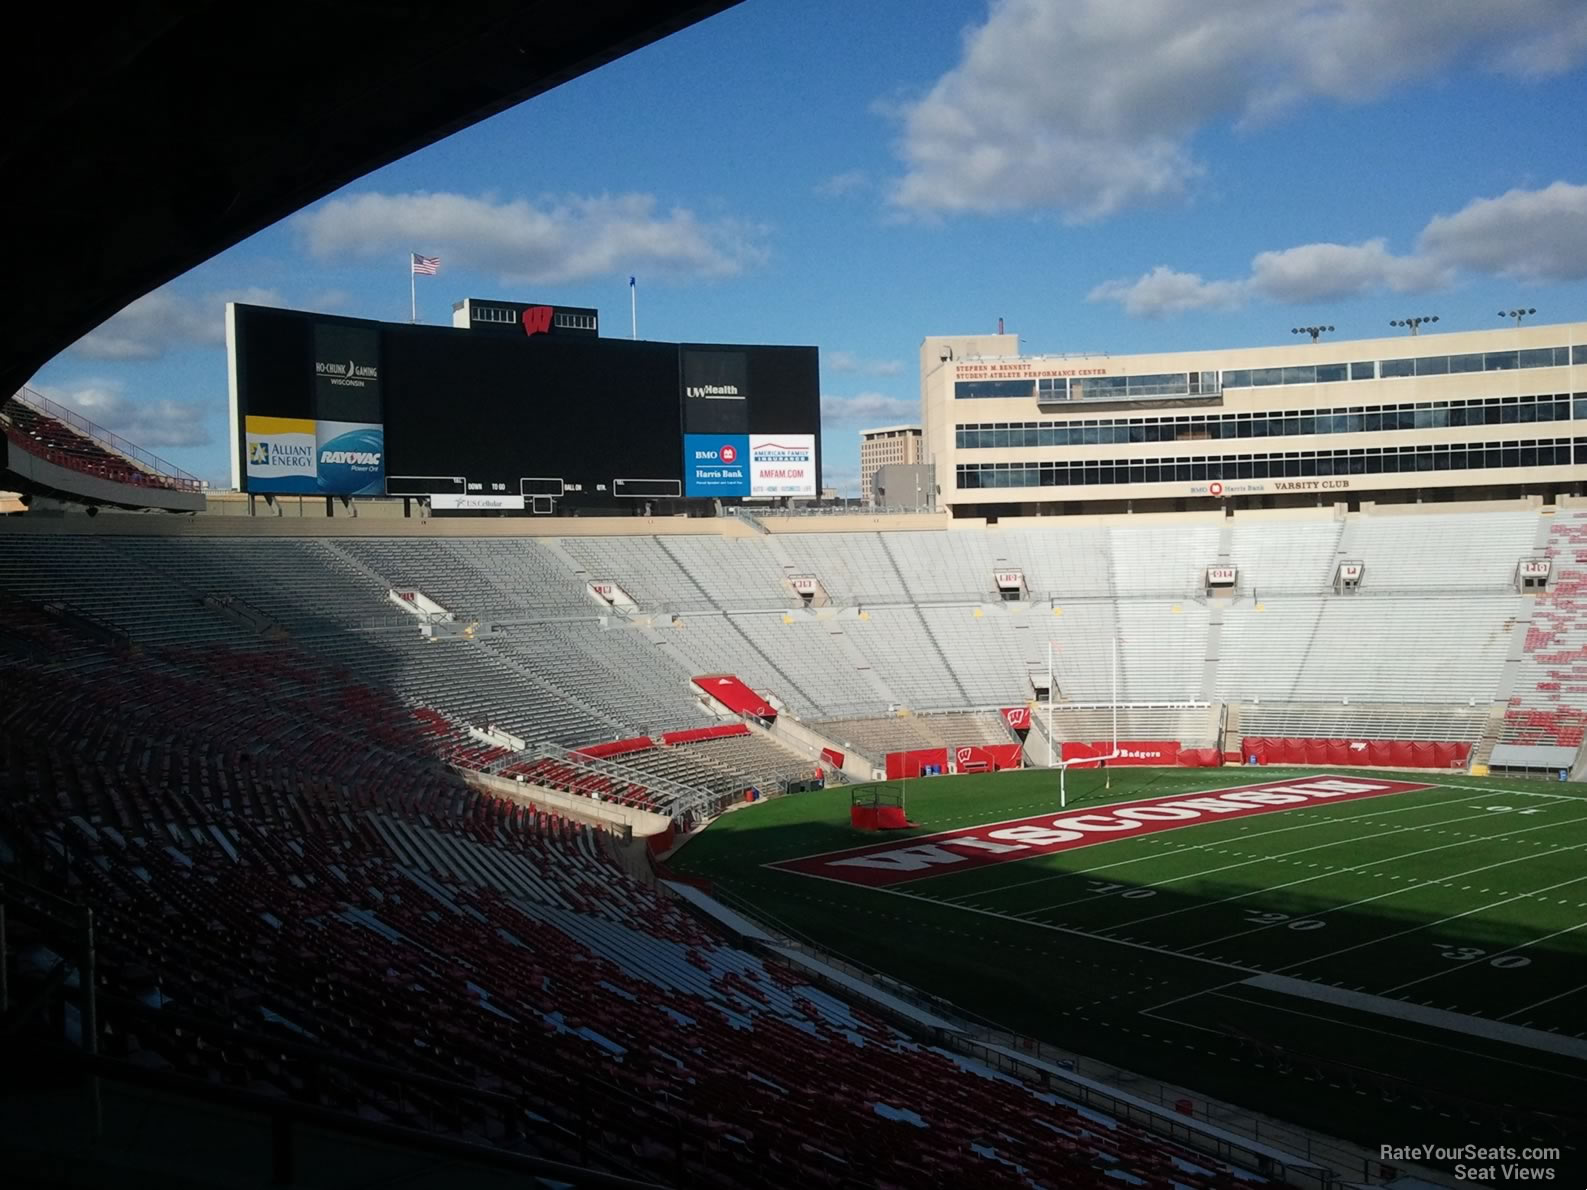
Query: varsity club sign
{"x":881,"y":865}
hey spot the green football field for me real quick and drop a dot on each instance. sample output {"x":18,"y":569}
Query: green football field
{"x":1410,"y":965}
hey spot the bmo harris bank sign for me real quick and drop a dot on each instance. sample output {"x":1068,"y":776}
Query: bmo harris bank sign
{"x":715,"y":465}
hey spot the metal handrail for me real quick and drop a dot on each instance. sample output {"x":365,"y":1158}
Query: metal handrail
{"x":173,"y":475}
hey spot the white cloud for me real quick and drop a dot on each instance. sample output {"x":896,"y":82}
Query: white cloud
{"x":1164,"y":291}
{"x":1318,"y":272}
{"x":1528,"y":234}
{"x":149,"y":424}
{"x":843,"y":184}
{"x":870,"y":408}
{"x":568,"y":238}
{"x":1091,"y":106}
{"x":847,"y":361}
{"x":1538,"y":235}
{"x":163,"y":321}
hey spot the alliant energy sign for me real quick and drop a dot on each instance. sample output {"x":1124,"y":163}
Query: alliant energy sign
{"x":900,"y":860}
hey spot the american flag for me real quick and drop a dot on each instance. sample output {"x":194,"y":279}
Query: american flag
{"x":426,"y":266}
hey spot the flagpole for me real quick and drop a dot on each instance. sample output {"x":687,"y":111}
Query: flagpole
{"x":413,"y":291}
{"x":633,"y":309}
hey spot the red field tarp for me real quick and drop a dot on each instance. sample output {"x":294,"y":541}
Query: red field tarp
{"x":695,"y":734}
{"x":1402,"y":754}
{"x":735,"y":696}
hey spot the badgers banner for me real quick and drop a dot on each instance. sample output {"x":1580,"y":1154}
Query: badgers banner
{"x":900,"y":860}
{"x":301,"y":456}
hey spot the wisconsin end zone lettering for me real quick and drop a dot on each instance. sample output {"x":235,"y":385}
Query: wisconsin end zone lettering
{"x":883,"y":864}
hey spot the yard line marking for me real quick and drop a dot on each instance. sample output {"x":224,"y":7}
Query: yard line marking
{"x":1401,"y":1037}
{"x":1313,"y":822}
{"x":1540,"y":1003}
{"x":1257,"y":892}
{"x":1440,"y":921}
{"x":1488,"y":958}
{"x":1280,"y":857}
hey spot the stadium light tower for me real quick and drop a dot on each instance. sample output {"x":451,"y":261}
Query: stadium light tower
{"x":1316,"y":332}
{"x":1054,"y":753}
{"x":1518,"y":313}
{"x":1414,"y":324}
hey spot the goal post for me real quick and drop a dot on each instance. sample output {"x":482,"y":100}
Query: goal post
{"x":1055,"y":750}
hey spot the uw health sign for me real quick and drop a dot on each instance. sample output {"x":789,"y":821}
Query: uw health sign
{"x":882,"y":864}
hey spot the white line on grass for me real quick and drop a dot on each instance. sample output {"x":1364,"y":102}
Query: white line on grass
{"x":1548,"y":1000}
{"x":1155,"y":856}
{"x":1462,"y":965}
{"x":1360,"y":1028}
{"x":1441,"y":921}
{"x":1245,"y":863}
{"x":1263,"y":891}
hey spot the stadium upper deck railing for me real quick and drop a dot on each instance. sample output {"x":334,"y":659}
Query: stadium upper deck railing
{"x":158,"y":473}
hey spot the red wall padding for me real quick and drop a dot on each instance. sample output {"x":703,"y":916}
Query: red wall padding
{"x":617,"y":747}
{"x":987,"y":757}
{"x":908,"y":764}
{"x":1404,"y":754}
{"x":735,"y":695}
{"x":695,"y":734}
{"x":833,"y":757}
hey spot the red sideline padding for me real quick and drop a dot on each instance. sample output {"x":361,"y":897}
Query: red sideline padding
{"x":735,"y":696}
{"x":1400,"y":754}
{"x":1200,"y":758}
{"x":1017,"y":717}
{"x":833,"y":757}
{"x":639,"y":743}
{"x":987,"y":758}
{"x":695,"y":734}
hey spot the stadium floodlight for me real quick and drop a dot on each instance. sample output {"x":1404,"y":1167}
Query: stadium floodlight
{"x":1054,"y":753}
{"x":1413,"y":324}
{"x":1518,"y":313}
{"x":1316,"y":332}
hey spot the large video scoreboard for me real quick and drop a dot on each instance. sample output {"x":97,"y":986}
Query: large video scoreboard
{"x":507,"y":421}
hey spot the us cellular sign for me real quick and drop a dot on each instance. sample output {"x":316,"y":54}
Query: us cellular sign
{"x":883,"y":864}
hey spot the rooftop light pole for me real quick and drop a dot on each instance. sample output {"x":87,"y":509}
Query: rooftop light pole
{"x":1518,"y":313}
{"x":1316,"y":332}
{"x":1413,"y":324}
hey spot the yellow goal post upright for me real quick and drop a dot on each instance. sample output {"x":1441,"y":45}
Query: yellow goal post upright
{"x":1054,"y":750}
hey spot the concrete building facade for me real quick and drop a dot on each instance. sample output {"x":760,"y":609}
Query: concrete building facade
{"x":1489,"y":414}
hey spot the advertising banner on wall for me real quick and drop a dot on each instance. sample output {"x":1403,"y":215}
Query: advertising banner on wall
{"x":715,"y":392}
{"x":716,"y":465}
{"x":347,"y":372}
{"x":480,"y":502}
{"x":292,"y":455}
{"x":782,"y":465}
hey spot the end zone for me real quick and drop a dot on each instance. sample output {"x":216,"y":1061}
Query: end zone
{"x":901,"y":860}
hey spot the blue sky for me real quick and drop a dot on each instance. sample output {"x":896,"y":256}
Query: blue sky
{"x":1106,"y":176}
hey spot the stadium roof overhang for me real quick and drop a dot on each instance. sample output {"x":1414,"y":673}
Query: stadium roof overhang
{"x":146,"y":137}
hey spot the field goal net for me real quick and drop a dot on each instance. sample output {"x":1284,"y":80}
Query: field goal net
{"x":878,"y":808}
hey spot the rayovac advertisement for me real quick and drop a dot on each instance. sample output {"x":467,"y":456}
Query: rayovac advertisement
{"x":301,"y":456}
{"x":782,"y":465}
